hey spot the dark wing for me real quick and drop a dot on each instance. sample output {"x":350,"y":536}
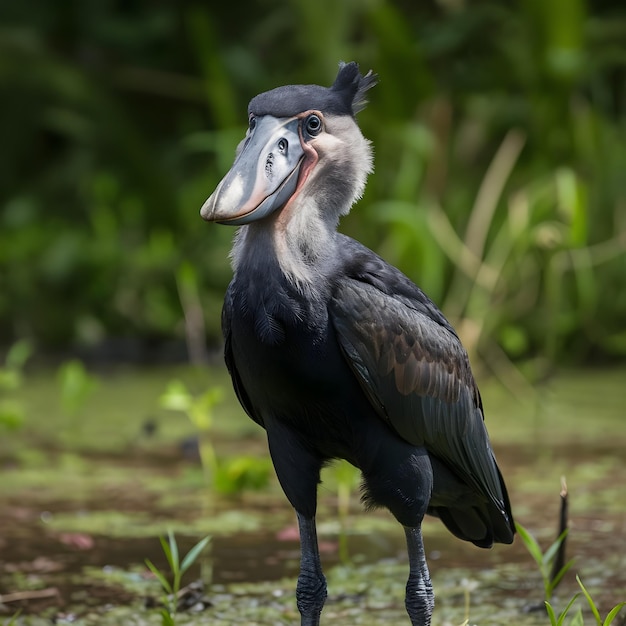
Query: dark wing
{"x":240,"y":392}
{"x":416,"y":373}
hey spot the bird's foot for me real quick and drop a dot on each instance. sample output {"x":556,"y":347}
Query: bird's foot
{"x":311,"y":596}
{"x":420,"y":601}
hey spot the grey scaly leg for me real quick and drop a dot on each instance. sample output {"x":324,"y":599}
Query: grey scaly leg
{"x":311,"y":589}
{"x":420,"y":599}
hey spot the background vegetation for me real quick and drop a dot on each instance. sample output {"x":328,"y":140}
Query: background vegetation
{"x":500,"y":138}
{"x":499,"y":130}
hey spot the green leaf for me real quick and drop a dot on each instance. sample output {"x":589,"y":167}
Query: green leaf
{"x":592,"y":604}
{"x":193,"y":554}
{"x":531,"y":544}
{"x":175,"y":562}
{"x":167,"y":551}
{"x":550,"y":553}
{"x":560,"y":574}
{"x":551,"y":614}
{"x":76,"y":384}
{"x":18,"y":354}
{"x":166,"y":618}
{"x":577,"y":620}
{"x":613,"y":613}
{"x":176,"y":397}
{"x":159,"y":576}
{"x":566,"y":610}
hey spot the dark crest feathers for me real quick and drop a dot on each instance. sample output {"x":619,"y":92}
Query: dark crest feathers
{"x":353,"y":85}
{"x":347,"y":96}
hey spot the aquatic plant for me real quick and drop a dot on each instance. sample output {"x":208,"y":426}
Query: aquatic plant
{"x":612,"y":614}
{"x":76,"y":385}
{"x":242,"y":473}
{"x":199,"y":410}
{"x":577,"y":619}
{"x":224,"y":476}
{"x":171,"y":591}
{"x":545,"y":560}
{"x":552,"y":576}
{"x":11,"y":375}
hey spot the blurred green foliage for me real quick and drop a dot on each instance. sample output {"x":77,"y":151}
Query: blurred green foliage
{"x":225,"y":476}
{"x":500,"y":138}
{"x":76,"y":385}
{"x":11,"y":379}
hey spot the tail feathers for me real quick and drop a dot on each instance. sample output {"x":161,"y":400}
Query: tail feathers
{"x":482,"y":525}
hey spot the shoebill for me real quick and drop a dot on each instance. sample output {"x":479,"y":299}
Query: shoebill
{"x":336,"y":353}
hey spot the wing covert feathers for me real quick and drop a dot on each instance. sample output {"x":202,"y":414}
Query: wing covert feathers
{"x":416,"y":374}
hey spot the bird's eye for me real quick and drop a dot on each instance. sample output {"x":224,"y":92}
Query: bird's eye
{"x":252,"y":123}
{"x":313,"y":125}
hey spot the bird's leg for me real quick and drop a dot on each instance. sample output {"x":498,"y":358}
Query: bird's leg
{"x":420,"y":599}
{"x":311,"y":589}
{"x":298,"y":470}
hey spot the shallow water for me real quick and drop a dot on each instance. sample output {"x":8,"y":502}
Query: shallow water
{"x":82,"y":505}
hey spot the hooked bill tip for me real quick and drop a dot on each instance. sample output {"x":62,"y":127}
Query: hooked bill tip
{"x":207,"y":209}
{"x":229,"y":194}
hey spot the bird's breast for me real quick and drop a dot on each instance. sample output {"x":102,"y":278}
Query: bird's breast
{"x":275,"y":357}
{"x":286,"y":353}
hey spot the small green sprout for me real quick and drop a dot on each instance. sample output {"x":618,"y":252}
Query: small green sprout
{"x":200,"y":410}
{"x":577,"y":620}
{"x":545,"y":559}
{"x":177,"y":569}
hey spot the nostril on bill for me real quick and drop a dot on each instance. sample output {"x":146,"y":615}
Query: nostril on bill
{"x":269,"y":166}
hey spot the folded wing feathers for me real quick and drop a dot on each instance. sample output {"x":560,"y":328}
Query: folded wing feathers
{"x":417,"y":375}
